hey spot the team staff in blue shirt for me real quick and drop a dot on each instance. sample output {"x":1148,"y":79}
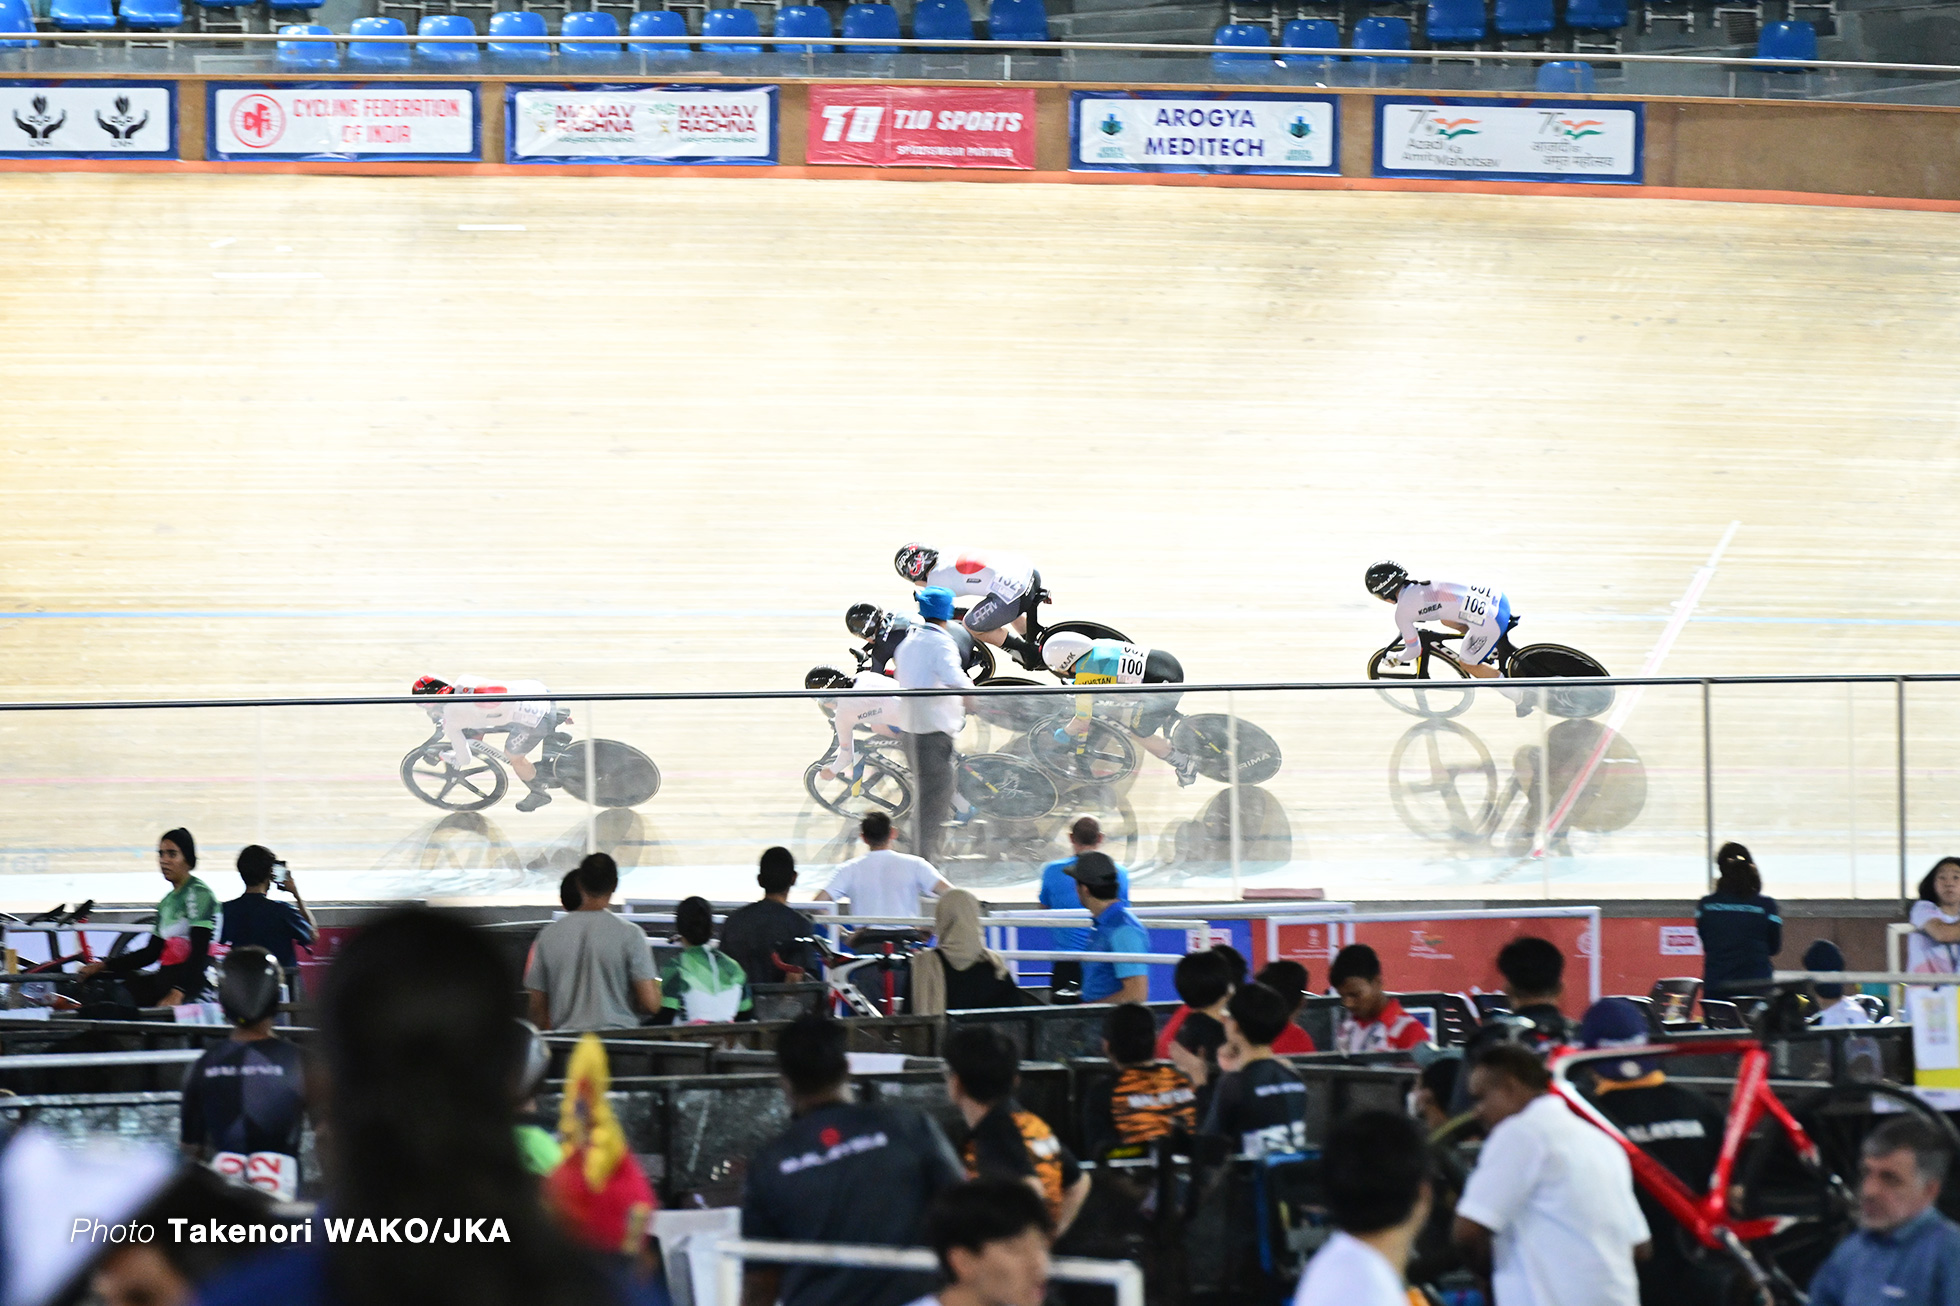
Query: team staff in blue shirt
{"x":1740,"y":928}
{"x":1115,"y":930}
{"x":1058,"y":894}
{"x":1905,"y":1251}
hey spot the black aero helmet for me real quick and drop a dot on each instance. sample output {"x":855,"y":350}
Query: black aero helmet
{"x":536,"y":1061}
{"x":863,"y":619}
{"x":248,"y":984}
{"x":1386,"y":579}
{"x":915,"y":562}
{"x":825,"y":678}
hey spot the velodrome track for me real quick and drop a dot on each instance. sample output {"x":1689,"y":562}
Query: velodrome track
{"x":318,"y":435}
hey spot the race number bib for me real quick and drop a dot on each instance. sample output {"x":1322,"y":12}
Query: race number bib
{"x":274,"y":1173}
{"x":1129,"y":667}
{"x":1477,"y":607}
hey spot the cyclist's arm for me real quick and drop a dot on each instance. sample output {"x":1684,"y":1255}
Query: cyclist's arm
{"x":1405,"y":622}
{"x":844,"y":722}
{"x":459,"y":744}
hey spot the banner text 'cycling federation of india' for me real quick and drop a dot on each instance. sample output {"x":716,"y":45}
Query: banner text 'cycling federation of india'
{"x":643,"y":124}
{"x":1147,"y":131}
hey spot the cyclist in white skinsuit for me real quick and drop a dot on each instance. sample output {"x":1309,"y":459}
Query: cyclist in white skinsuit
{"x":528,"y":723}
{"x":1481,"y":614}
{"x":1000,"y":583}
{"x":878,"y":715}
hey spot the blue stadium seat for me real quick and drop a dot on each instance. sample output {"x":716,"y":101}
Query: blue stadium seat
{"x":15,"y":16}
{"x":307,"y":54}
{"x":589,"y":22}
{"x":444,"y":25}
{"x":658,"y":22}
{"x":1455,"y":22}
{"x":803,"y":20}
{"x":519,"y":23}
{"x":1246,"y":34}
{"x":730,"y":22}
{"x":373,"y":54}
{"x":1312,"y":34}
{"x":1566,"y":75}
{"x":82,"y":15}
{"x":1017,"y":20}
{"x":942,"y":20}
{"x":1596,"y":15}
{"x":870,"y":22}
{"x":1524,"y":17}
{"x":1380,"y":34}
{"x":290,"y":7}
{"x":152,"y":15}
{"x":1796,"y":41}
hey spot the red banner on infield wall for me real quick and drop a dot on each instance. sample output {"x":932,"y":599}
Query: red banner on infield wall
{"x":922,"y":126}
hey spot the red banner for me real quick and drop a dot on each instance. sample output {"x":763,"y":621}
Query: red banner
{"x":922,"y":126}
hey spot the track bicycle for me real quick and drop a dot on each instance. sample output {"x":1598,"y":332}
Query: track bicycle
{"x":1784,"y":1189}
{"x":995,"y":785}
{"x":1037,"y":634}
{"x":1445,"y":784}
{"x":1108,"y":752}
{"x":1437,"y":662}
{"x":626,"y":776}
{"x":847,"y":996}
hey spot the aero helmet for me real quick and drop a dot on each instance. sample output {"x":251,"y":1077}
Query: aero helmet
{"x":248,"y":985}
{"x":1062,"y":651}
{"x":825,"y":678}
{"x":864,"y":619}
{"x":1386,"y":579}
{"x":915,"y":562}
{"x":430,"y":685}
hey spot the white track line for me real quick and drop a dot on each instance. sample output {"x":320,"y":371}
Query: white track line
{"x":491,"y":226}
{"x":1630,"y":698}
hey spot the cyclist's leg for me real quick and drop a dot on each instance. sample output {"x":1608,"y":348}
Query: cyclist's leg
{"x":1003,"y":622}
{"x":521,"y":740}
{"x":1476,"y":652}
{"x":1158,"y":710}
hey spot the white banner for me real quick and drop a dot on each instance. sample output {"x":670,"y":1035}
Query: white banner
{"x":1580,"y":140}
{"x":1213,"y":134}
{"x":345,"y":120}
{"x":655,"y":123}
{"x":108,"y":120}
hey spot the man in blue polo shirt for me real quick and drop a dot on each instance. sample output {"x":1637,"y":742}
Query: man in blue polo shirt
{"x":1905,"y":1250}
{"x":1115,"y":930}
{"x":1058,"y":893}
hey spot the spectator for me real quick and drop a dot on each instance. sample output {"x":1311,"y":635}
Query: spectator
{"x":187,"y":919}
{"x":569,"y":894}
{"x":929,"y":659}
{"x":1234,"y":976}
{"x":1835,"y":1009}
{"x":589,"y":969}
{"x":420,"y":1053}
{"x":1550,"y":1207}
{"x":960,"y":973}
{"x":1680,"y":1128}
{"x":1261,"y":1102}
{"x":702,"y":987}
{"x":597,"y":1191}
{"x":843,"y":1172}
{"x":992,"y":1238}
{"x":1534,"y":981}
{"x":883,"y":882}
{"x":1375,"y":1172}
{"x":1148,"y":1099}
{"x":761,"y":935}
{"x":1235,"y":963}
{"x":1204,"y":982}
{"x":1289,"y":980}
{"x":1933,"y":947}
{"x":1058,"y":894}
{"x":254,"y":918}
{"x":244,"y":1100}
{"x":1004,"y":1139}
{"x":1371,"y":1020}
{"x":1905,"y":1250}
{"x":1740,"y":929}
{"x":166,"y":1270}
{"x":1115,"y":930}
{"x":1435,"y":1090}
{"x":537,"y":1138}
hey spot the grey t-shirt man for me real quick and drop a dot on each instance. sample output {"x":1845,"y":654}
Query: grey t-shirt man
{"x":586,"y":963}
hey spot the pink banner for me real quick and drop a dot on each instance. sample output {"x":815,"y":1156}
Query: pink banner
{"x":922,"y":127}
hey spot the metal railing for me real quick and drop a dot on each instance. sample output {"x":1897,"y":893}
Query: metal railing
{"x":731,"y":1254}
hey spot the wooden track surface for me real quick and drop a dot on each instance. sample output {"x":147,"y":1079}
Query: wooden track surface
{"x":306,"y":435}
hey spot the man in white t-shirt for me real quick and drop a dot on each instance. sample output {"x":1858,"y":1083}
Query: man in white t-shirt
{"x":883,"y":882}
{"x":1550,"y":1207}
{"x":992,"y":1238}
{"x":1375,"y":1170}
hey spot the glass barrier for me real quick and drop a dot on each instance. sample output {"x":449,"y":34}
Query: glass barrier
{"x":1403,"y":791}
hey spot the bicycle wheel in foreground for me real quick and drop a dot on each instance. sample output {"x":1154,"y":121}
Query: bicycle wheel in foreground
{"x":1005,"y":788}
{"x":1443,"y":782}
{"x":627,"y":777}
{"x":1545,"y":661}
{"x":881,"y":788}
{"x":1102,"y":756}
{"x":1207,"y":737}
{"x":439,"y":784}
{"x":1436,"y":704}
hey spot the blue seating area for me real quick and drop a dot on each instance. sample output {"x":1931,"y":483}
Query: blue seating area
{"x":731,"y":23}
{"x":82,"y":15}
{"x":589,"y":23}
{"x":942,"y":20}
{"x":377,"y":56}
{"x":15,"y":16}
{"x":1590,"y":26}
{"x":1794,"y":40}
{"x":804,"y":21}
{"x":519,"y":24}
{"x":447,"y":53}
{"x":305,"y":56}
{"x":870,"y":22}
{"x":657,"y":22}
{"x":1017,"y":20}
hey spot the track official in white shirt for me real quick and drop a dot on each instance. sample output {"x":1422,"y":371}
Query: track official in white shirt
{"x":929,"y":659}
{"x":1375,"y":1168}
{"x":1550,"y":1206}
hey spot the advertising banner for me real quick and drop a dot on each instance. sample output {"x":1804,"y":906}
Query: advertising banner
{"x":641,"y":124}
{"x":88,"y":120}
{"x":1172,"y":131}
{"x":922,"y":126}
{"x":343,"y":121}
{"x":1509,"y":140}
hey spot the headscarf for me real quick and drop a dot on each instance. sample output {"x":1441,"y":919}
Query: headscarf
{"x":959,"y":943}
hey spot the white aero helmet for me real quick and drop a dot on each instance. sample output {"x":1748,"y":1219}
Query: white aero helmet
{"x":1062,"y":650}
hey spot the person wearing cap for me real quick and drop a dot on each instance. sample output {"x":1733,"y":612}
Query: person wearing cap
{"x":1679,"y":1127}
{"x":928,"y":659}
{"x":1836,"y":1009}
{"x":1115,"y":930}
{"x":1058,"y":893}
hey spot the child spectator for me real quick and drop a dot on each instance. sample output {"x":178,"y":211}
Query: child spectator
{"x":1534,"y":981}
{"x":1261,"y":1104}
{"x":1372,"y":1020}
{"x":1835,"y":1009}
{"x":1203,"y":981}
{"x":702,"y":987}
{"x":992,"y":1239}
{"x":1235,"y":970}
{"x":1006,"y":1140}
{"x":1289,"y":980}
{"x":1148,"y":1099}
{"x":1934,"y":944}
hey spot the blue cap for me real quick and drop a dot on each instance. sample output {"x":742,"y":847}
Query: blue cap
{"x":1824,"y":955}
{"x":1616,"y":1023}
{"x":936,"y":603}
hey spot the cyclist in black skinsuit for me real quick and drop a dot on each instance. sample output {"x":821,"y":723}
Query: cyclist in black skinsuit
{"x":883,"y":631}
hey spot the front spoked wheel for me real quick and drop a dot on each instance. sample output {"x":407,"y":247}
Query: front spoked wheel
{"x":466,"y":789}
{"x":1006,"y":788}
{"x":1436,"y":704}
{"x":1101,"y":756}
{"x":1443,"y":782}
{"x":880,"y":788}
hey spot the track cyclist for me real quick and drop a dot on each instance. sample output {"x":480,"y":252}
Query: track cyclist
{"x":1004,"y":585}
{"x":1479,"y":613}
{"x":528,"y":722}
{"x":882,"y":633}
{"x":879,"y":716}
{"x":1084,"y":661}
